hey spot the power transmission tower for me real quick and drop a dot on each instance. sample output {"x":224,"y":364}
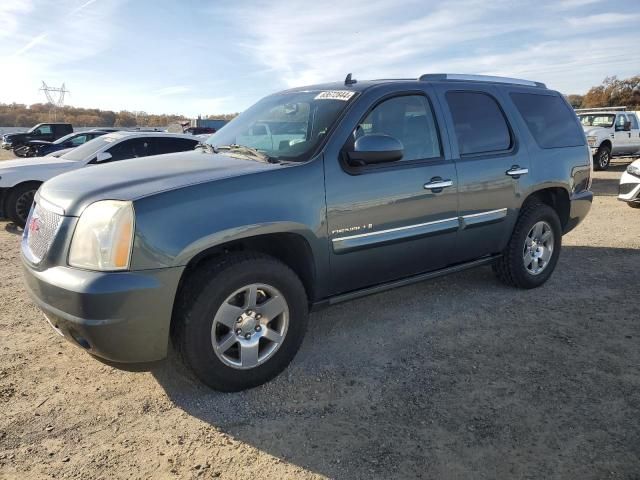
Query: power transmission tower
{"x":55,"y":104}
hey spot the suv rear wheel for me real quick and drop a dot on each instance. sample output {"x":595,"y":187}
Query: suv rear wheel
{"x":534,"y":248}
{"x":241,"y":321}
{"x":602,"y":158}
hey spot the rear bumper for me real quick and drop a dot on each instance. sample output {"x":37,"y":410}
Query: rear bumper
{"x":580,"y":206}
{"x":123,"y":317}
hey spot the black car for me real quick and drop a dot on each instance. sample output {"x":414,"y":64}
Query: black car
{"x":40,"y":148}
{"x":43,"y":131}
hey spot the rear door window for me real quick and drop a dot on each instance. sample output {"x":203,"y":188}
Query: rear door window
{"x":549,"y":119}
{"x":172,"y":144}
{"x":133,"y":148}
{"x":480,"y":125}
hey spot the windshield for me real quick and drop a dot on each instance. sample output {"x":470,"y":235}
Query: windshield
{"x":285,"y":126}
{"x":597,"y":120}
{"x":64,"y":139}
{"x":87,"y":150}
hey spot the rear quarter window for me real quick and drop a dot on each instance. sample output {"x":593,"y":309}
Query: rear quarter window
{"x":549,"y":119}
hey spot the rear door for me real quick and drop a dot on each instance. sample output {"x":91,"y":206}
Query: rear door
{"x":389,"y":221}
{"x":492,"y":167}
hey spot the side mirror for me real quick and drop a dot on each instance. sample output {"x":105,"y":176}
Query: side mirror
{"x":376,"y":148}
{"x":103,"y":157}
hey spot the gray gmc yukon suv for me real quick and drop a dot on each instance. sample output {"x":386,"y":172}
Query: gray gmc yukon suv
{"x":311,"y":197}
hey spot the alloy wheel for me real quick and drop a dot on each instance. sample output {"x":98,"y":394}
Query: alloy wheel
{"x":538,"y":248}
{"x":250,"y":326}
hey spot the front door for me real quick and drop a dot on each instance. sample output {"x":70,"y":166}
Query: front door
{"x":634,"y":133}
{"x":392,"y":220}
{"x":491,"y":166}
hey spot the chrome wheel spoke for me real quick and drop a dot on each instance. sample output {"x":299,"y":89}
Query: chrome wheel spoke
{"x":228,"y":314}
{"x":546,"y":255}
{"x":528,"y":259}
{"x":249,"y":354}
{"x":272,"y":335}
{"x":546,"y":236}
{"x":252,"y":296}
{"x":272,"y":308}
{"x":228,"y":342}
{"x":537,"y":229}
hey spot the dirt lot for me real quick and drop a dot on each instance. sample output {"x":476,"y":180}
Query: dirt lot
{"x":459,"y":377}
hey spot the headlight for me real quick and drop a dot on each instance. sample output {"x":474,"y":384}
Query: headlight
{"x":103,"y":237}
{"x":592,"y":141}
{"x":634,"y":170}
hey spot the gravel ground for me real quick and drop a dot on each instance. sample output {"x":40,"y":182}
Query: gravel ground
{"x":459,"y":377}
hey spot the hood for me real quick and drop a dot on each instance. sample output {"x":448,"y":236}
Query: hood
{"x":14,"y":136}
{"x":36,"y":162}
{"x":141,"y":177}
{"x":595,"y":131}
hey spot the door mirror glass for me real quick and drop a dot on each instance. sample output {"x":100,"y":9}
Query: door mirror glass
{"x":103,"y":157}
{"x":376,"y":148}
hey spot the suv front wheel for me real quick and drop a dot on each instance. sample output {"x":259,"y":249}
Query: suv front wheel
{"x":534,"y":248}
{"x":241,"y":321}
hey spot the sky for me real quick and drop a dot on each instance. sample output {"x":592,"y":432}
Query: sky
{"x":205,"y":57}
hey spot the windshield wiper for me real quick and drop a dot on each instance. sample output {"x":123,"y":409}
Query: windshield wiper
{"x":244,"y":150}
{"x":207,"y":147}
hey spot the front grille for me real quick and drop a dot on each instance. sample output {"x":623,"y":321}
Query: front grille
{"x":40,"y":231}
{"x":626,"y":188}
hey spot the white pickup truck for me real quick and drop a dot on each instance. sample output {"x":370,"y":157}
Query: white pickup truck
{"x":611,"y":131}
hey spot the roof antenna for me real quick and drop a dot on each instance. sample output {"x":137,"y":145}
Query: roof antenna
{"x":349,"y":80}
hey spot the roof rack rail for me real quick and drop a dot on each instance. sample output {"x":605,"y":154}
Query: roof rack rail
{"x":479,"y":78}
{"x":601,"y":109}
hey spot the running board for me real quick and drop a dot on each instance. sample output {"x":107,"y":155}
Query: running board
{"x":344,"y":297}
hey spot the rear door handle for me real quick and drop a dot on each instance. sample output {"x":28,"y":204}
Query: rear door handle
{"x":516,"y":171}
{"x":437,"y":183}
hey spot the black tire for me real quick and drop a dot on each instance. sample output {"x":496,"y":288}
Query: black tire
{"x":634,"y":204}
{"x":19,"y":201}
{"x":20,"y":150}
{"x":510,"y":268}
{"x":205,"y":292}
{"x":602,"y":158}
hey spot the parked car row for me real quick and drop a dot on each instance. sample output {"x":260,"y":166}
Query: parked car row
{"x":20,"y":179}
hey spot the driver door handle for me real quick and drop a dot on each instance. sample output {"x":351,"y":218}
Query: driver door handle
{"x":516,"y":171}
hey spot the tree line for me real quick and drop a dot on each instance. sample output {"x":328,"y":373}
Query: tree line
{"x":20,"y":115}
{"x":613,"y":92}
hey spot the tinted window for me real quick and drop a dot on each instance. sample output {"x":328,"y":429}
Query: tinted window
{"x":634,"y":121}
{"x":479,"y":123}
{"x":549,"y":119}
{"x":134,"y":148}
{"x":620,"y":121}
{"x":170,"y":145}
{"x":79,"y":140}
{"x":44,"y":130}
{"x":410,"y":120}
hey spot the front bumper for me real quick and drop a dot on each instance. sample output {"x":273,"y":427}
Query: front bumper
{"x":629,"y":189}
{"x":580,"y":206}
{"x":123,"y":317}
{"x":6,"y":145}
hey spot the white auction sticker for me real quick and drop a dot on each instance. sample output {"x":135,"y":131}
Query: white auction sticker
{"x":343,"y":95}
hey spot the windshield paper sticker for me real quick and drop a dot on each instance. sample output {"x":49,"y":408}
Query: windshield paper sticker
{"x":343,"y":95}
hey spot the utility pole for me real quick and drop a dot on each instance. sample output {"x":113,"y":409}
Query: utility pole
{"x":55,"y":104}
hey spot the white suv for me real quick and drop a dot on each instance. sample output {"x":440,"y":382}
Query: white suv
{"x":20,"y":179}
{"x":610,"y":132}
